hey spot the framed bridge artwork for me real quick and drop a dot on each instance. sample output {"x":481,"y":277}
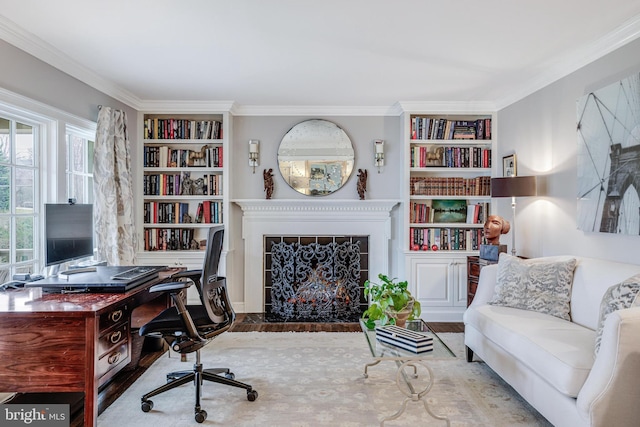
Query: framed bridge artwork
{"x":608,"y":128}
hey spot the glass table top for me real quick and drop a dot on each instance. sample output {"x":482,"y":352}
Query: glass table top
{"x":380,"y":350}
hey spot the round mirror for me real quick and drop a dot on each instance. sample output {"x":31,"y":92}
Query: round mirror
{"x":316,"y":157}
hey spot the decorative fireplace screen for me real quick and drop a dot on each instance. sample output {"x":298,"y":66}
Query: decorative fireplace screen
{"x":314,"y":282}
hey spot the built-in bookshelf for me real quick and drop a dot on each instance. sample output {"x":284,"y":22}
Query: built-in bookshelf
{"x":447,"y":196}
{"x":183,"y":180}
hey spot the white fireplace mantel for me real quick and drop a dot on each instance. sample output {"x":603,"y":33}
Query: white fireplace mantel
{"x":322,"y":217}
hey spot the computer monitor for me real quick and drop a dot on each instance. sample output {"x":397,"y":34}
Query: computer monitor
{"x":68,"y":232}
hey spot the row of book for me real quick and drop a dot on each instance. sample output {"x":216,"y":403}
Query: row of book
{"x":426,"y":213}
{"x":181,"y":184}
{"x":439,"y":128}
{"x":445,"y":239}
{"x":450,"y":157}
{"x":157,"y":128}
{"x":169,"y":157}
{"x":169,"y":239}
{"x":406,"y":339}
{"x":178,"y":213}
{"x":450,"y":186}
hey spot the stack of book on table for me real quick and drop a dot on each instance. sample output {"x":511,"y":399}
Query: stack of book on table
{"x":417,"y":342}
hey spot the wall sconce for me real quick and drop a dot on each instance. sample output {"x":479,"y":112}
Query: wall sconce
{"x":378,"y":153}
{"x":254,"y":151}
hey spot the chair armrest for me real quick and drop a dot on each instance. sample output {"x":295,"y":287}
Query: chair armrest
{"x":186,"y":273}
{"x":170,"y":286}
{"x":610,"y":394}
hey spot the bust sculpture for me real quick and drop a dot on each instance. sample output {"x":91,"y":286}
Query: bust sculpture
{"x":494,"y":226}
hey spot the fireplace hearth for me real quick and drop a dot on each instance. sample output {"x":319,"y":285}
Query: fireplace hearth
{"x":315,"y":278}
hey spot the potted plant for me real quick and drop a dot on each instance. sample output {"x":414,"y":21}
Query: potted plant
{"x":390,"y":302}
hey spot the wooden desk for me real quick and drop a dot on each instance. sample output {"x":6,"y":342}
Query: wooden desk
{"x":67,"y":342}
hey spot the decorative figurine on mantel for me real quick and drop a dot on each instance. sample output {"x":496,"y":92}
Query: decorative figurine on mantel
{"x":494,"y":226}
{"x":362,"y":182}
{"x":268,"y":183}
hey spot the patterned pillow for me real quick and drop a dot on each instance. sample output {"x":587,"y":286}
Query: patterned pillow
{"x":617,"y":297}
{"x":538,"y":284}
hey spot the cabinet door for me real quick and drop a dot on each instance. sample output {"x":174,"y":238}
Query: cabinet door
{"x":440,"y":284}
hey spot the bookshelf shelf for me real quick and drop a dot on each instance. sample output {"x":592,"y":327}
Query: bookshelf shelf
{"x":184,"y":186}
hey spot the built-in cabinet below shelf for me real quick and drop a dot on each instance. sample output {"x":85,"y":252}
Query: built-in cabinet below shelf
{"x":448,"y":165}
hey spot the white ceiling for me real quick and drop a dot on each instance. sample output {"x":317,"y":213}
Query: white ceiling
{"x":310,"y":53}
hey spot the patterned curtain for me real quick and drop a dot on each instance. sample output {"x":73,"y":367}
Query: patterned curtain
{"x":113,"y":191}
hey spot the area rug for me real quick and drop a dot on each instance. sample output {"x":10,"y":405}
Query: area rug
{"x":316,"y":379}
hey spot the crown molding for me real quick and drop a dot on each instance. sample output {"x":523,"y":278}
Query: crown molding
{"x":441,"y":107}
{"x":567,"y":64}
{"x":40,"y":49}
{"x":185,"y":106}
{"x":313,"y":110}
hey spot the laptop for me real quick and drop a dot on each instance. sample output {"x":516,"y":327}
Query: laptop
{"x":100,"y":279}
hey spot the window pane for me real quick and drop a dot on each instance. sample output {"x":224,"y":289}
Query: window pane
{"x":4,"y":274}
{"x":5,"y":141}
{"x":5,"y":237}
{"x":24,"y":237}
{"x":77,"y":154}
{"x":78,"y":188}
{"x":5,"y":188}
{"x":24,"y":144}
{"x":24,"y":190}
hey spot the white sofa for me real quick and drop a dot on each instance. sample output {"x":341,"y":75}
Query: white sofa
{"x":551,"y":362}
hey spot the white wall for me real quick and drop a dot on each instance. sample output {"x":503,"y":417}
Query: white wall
{"x":541,"y":130}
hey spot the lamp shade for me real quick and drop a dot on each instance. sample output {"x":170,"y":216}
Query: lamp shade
{"x":514,"y":186}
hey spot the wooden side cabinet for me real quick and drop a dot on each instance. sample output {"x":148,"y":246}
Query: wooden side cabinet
{"x":474,"y":265}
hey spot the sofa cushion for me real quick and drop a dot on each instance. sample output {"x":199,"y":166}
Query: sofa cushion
{"x":558,"y":351}
{"x":535,"y":284}
{"x":617,"y":297}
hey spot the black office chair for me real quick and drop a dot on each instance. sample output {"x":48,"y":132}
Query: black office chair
{"x":188,"y":328}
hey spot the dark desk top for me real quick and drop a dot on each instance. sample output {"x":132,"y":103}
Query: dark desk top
{"x":28,"y":300}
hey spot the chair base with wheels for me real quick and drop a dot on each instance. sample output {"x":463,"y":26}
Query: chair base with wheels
{"x":198,"y":375}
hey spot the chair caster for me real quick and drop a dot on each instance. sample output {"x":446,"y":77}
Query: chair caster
{"x":230,"y":376}
{"x":147,"y":405}
{"x":201,"y":415}
{"x":252,"y":395}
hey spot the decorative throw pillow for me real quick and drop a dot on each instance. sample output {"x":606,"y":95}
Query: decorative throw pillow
{"x":617,"y":297}
{"x":537,"y":284}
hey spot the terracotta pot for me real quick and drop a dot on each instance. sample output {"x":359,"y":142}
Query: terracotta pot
{"x":402,"y":315}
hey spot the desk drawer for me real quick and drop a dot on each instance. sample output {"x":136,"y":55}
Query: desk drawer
{"x":113,"y":338}
{"x":113,"y":358}
{"x":117,"y":315}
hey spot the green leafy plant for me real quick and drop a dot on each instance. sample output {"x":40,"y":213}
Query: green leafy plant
{"x":388,"y":296}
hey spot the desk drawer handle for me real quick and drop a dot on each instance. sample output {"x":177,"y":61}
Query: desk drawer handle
{"x":116,"y":315}
{"x":114,"y":357}
{"x":115,"y":337}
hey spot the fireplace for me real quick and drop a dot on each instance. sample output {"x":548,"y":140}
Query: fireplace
{"x":310,"y":217}
{"x":315,"y":278}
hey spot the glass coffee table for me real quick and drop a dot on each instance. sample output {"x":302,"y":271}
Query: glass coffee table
{"x":408,"y":364}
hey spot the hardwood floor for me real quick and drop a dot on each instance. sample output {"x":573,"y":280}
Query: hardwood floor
{"x":247,"y":322}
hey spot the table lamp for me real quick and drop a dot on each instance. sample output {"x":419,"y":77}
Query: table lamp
{"x":514,"y":186}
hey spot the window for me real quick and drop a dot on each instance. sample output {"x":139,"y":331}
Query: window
{"x":19,"y":196}
{"x":79,"y":166}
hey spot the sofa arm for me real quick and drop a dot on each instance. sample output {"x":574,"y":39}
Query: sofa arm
{"x":610,"y":394}
{"x":486,"y":285}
